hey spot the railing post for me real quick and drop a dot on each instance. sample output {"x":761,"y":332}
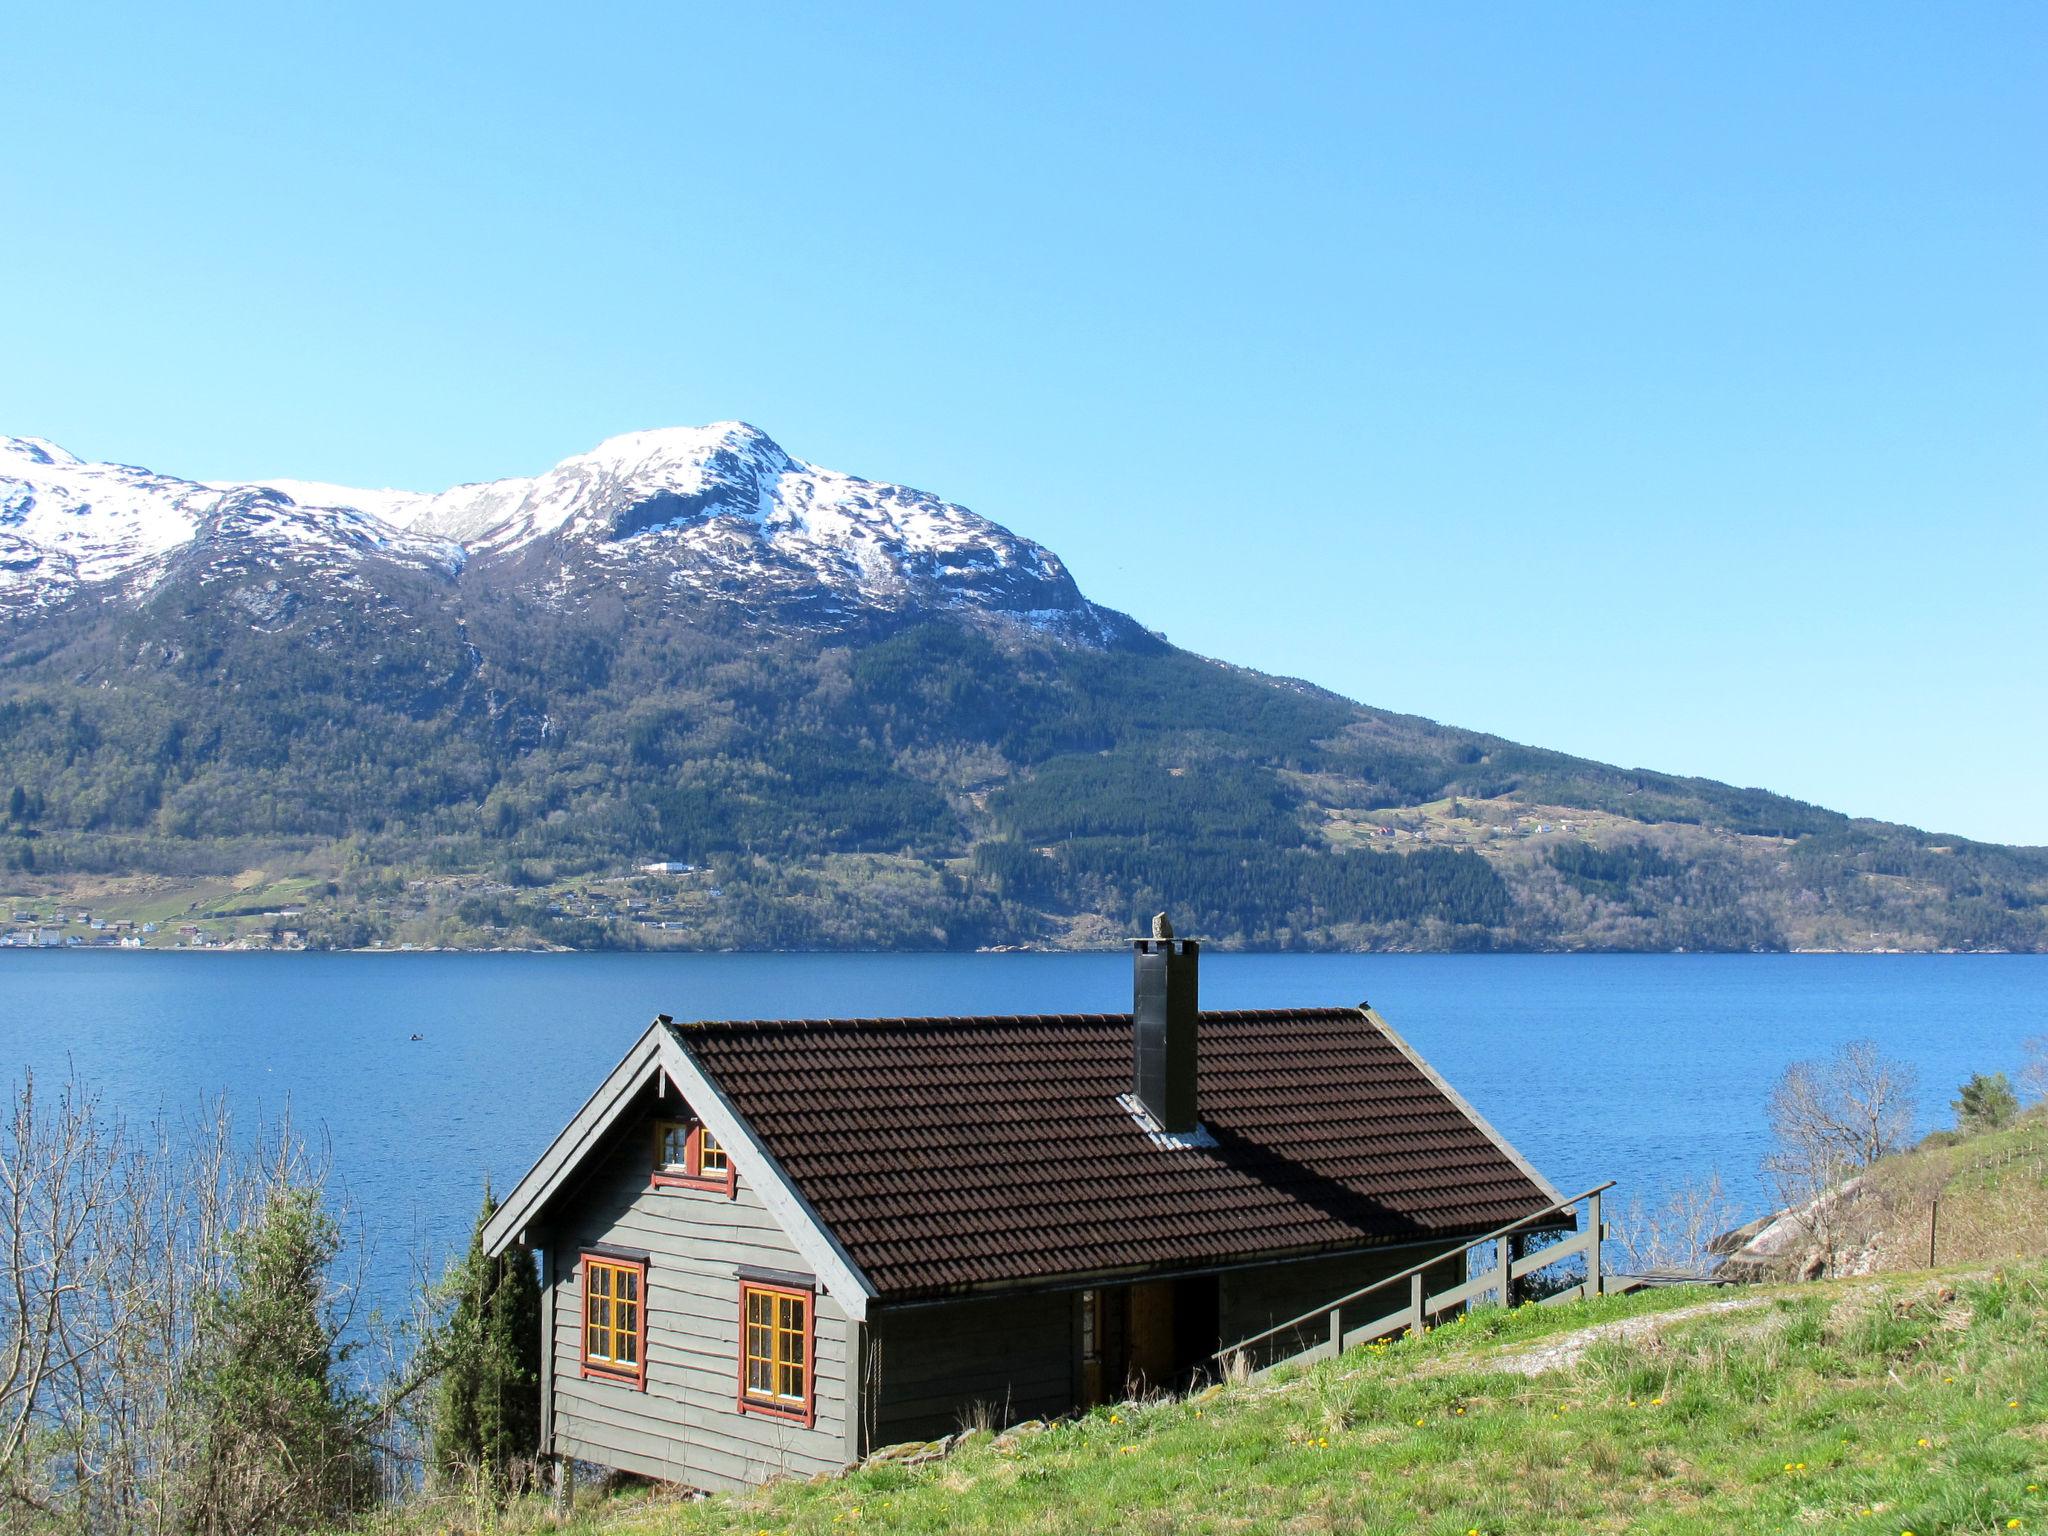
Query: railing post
{"x":1336,"y":1332}
{"x":1594,"y":1280}
{"x":1415,"y":1293}
{"x":1504,"y":1268}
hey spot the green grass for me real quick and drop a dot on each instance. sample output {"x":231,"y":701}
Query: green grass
{"x":1993,"y":1190}
{"x":1907,"y":1403}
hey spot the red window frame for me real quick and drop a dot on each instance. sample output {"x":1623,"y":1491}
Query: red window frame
{"x":692,"y":1175}
{"x":604,"y":1369}
{"x":805,"y":1414}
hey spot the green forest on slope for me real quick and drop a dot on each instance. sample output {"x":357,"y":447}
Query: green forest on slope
{"x":471,"y":771}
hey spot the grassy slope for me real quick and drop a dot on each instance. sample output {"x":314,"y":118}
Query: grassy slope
{"x":1993,"y":1192}
{"x":1910,"y":1403}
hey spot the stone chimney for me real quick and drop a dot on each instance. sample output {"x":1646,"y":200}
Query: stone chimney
{"x":1165,"y":1015}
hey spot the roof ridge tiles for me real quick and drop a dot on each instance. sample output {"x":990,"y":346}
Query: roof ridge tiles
{"x":887,"y":1022}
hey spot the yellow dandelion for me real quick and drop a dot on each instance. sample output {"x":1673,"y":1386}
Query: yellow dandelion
{"x":1461,"y":1413}
{"x":1116,"y":1418}
{"x":2014,"y":1403}
{"x":2012,"y":1525}
{"x":1923,"y":1440}
{"x":1418,"y":1423}
{"x":1128,"y":1450}
{"x":1656,"y":1402}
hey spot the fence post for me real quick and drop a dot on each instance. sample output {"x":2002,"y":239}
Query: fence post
{"x":1415,"y":1292}
{"x":1504,"y":1267}
{"x":565,"y":1486}
{"x":1595,"y":1282}
{"x":1336,"y":1332}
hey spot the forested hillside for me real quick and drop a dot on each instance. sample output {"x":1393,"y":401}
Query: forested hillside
{"x":264,"y":742}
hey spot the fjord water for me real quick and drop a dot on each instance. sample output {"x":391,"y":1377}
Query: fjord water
{"x":1640,"y":1068}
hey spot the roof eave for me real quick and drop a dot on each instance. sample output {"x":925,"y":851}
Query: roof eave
{"x":843,"y":1279}
{"x":523,"y":1207}
{"x":1446,"y":1242}
{"x":1464,"y":1107}
{"x":656,"y":1052}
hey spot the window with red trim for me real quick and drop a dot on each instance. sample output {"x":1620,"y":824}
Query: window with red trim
{"x":777,"y":1349}
{"x":687,"y":1156}
{"x":615,"y":1318}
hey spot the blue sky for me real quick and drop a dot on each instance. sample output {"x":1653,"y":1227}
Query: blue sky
{"x":1663,"y":384}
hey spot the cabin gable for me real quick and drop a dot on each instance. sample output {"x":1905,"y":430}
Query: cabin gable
{"x":679,"y":1412}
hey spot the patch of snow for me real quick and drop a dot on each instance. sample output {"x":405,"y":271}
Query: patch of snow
{"x":719,"y":509}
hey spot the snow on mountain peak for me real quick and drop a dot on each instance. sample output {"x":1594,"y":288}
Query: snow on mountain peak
{"x":37,"y":450}
{"x":719,"y":510}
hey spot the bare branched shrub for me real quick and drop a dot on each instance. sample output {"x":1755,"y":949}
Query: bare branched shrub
{"x":2033,"y":1079}
{"x":123,"y":1255}
{"x":1678,"y":1234}
{"x":1831,"y":1120}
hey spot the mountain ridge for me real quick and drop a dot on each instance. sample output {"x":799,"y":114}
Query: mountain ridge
{"x":860,"y":714}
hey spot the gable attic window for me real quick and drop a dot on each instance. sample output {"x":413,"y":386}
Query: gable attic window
{"x":687,"y":1156}
{"x":615,"y":1318}
{"x":777,"y":1346}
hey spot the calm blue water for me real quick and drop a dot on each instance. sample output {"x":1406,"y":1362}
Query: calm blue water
{"x":1637,"y":1068}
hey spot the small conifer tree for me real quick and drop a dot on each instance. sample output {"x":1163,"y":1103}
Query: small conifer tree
{"x":487,"y":1411}
{"x":1985,"y":1103}
{"x":283,"y":1446}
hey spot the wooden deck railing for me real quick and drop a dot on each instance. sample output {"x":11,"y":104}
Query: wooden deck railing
{"x":1337,"y":1332}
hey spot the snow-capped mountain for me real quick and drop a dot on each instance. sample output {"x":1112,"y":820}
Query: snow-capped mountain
{"x":719,"y":513}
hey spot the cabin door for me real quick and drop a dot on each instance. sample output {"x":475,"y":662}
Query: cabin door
{"x":1157,"y":1335}
{"x":1103,"y":1326}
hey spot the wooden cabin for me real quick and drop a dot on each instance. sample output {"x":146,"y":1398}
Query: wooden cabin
{"x":768,"y":1248}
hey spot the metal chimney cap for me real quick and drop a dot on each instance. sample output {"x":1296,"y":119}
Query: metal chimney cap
{"x":1161,"y":927}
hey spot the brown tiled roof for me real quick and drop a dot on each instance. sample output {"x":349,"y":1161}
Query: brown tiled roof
{"x":965,"y":1152}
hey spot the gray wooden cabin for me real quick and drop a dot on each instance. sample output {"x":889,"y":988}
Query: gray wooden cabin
{"x":770,"y":1247}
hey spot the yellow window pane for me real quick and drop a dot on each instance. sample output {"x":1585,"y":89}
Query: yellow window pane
{"x":711,"y":1156}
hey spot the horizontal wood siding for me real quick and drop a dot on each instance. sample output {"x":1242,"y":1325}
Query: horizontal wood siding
{"x":686,"y":1426}
{"x":933,"y":1367}
{"x":1254,"y":1300}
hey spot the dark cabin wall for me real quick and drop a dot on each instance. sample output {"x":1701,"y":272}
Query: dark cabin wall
{"x":931,"y":1368}
{"x":1256,"y":1299}
{"x":685,"y":1427}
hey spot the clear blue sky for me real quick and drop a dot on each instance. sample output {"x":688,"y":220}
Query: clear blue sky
{"x":1661,"y":383}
